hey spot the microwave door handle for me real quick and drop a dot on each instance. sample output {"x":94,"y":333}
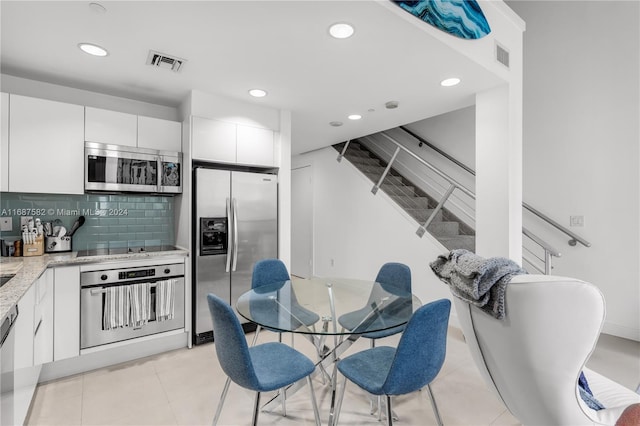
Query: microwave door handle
{"x":159,"y":174}
{"x":229,"y":238}
{"x":235,"y":234}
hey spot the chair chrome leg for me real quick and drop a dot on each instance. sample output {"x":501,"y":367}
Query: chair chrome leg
{"x":335,"y":415}
{"x":256,"y":409}
{"x":389,"y":411}
{"x":433,"y":404}
{"x":316,"y":413}
{"x":222,"y":397}
{"x":255,"y":336}
{"x":379,"y":398}
{"x":284,"y":402}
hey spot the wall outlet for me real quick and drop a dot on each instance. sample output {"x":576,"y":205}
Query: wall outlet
{"x":6,"y":223}
{"x":576,"y":221}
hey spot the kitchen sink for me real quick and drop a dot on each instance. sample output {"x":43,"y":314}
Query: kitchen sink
{"x":5,"y":279}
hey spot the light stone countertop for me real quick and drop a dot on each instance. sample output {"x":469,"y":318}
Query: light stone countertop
{"x":33,"y":267}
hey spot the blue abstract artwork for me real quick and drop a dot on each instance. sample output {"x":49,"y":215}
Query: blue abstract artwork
{"x":461,"y":18}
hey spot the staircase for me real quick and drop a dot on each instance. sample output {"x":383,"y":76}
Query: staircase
{"x":446,"y":227}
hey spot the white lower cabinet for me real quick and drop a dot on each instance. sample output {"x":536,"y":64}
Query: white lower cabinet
{"x":25,"y":374}
{"x":66,"y":309}
{"x":33,"y":342}
{"x":43,"y":319}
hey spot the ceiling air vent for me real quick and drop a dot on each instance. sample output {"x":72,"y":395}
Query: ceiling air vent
{"x":502,"y":55}
{"x":162,"y":60}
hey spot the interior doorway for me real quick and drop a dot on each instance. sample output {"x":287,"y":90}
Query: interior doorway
{"x":302,"y":222}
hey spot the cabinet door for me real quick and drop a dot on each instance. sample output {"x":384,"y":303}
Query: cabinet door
{"x":155,"y":133}
{"x":66,"y":312}
{"x":46,"y":146}
{"x":213,"y":140}
{"x":112,"y":127}
{"x":25,"y":374}
{"x":43,"y":319}
{"x":4,"y":143}
{"x":255,"y":146}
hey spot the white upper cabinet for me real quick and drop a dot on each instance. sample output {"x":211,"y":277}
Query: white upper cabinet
{"x":111,"y":127}
{"x":118,"y":128}
{"x":213,"y":140}
{"x":221,"y":141}
{"x":156,"y":133}
{"x":254,"y":146}
{"x":46,"y":144}
{"x":4,"y":143}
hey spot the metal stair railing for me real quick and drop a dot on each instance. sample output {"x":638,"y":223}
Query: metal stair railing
{"x":549,"y":251}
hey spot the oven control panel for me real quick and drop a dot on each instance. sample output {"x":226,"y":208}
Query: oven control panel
{"x":122,"y":275}
{"x":136,"y":273}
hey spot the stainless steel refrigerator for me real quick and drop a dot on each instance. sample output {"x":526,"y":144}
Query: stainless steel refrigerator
{"x":236,"y":224}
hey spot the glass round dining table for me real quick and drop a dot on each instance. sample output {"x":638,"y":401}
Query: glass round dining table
{"x":328,"y":306}
{"x":322,"y":307}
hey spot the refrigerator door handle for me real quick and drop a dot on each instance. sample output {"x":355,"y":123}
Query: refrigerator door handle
{"x":229,"y":238}
{"x":235,"y":234}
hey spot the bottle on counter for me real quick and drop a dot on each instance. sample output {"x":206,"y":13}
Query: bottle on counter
{"x":17,"y":248}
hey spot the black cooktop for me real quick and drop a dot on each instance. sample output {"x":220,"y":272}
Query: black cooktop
{"x":124,"y":250}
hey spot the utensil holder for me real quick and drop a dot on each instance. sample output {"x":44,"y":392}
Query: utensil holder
{"x":58,"y":244}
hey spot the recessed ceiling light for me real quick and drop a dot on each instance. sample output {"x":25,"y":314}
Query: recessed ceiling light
{"x":341,"y":30}
{"x":450,"y":82}
{"x":93,"y":49}
{"x":335,"y":123}
{"x":258,"y":93}
{"x":354,"y":117}
{"x":391,"y":105}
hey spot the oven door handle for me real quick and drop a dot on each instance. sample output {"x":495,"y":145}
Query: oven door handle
{"x":97,"y":291}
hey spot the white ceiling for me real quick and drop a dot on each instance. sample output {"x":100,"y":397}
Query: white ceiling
{"x":232,"y":46}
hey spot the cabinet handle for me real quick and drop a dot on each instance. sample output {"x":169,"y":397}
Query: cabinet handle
{"x":37,"y":327}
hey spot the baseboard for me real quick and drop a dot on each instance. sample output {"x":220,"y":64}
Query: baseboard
{"x":115,"y":355}
{"x":621,"y":331}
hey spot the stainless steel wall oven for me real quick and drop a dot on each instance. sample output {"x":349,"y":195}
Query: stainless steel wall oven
{"x":111,"y":291}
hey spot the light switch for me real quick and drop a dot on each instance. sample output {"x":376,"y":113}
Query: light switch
{"x":576,"y":221}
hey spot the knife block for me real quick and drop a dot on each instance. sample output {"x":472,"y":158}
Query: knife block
{"x":34,"y":249}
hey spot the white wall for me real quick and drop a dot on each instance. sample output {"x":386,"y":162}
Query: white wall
{"x":581,"y":141}
{"x":360,"y":231}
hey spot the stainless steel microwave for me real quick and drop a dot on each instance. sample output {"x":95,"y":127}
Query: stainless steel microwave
{"x":116,"y":168}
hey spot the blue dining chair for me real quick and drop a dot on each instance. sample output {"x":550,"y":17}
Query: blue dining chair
{"x":269,"y":271}
{"x":263,"y":368}
{"x":411,"y":366}
{"x":393,"y":275}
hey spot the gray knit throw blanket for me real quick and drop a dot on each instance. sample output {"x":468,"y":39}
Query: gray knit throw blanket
{"x":476,"y":280}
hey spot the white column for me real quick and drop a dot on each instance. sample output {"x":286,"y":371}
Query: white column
{"x":283,"y":155}
{"x":499,"y":173}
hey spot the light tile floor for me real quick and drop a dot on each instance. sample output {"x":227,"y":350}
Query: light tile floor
{"x":183,"y":387}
